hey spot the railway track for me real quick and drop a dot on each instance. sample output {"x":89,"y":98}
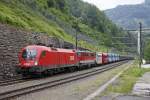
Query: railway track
{"x":51,"y":83}
{"x":13,"y":81}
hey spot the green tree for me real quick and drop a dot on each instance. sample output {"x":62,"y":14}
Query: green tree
{"x":51,"y":3}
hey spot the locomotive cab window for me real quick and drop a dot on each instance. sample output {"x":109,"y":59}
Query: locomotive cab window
{"x":43,"y":54}
{"x":24,"y":54}
{"x":29,"y":54}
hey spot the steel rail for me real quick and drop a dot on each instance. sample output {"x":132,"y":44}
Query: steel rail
{"x":10,"y":82}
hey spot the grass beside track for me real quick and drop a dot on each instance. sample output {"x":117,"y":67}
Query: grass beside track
{"x":125,"y":83}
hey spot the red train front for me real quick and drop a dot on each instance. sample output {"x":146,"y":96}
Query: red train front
{"x":29,"y":57}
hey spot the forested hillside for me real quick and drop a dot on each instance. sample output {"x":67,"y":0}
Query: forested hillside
{"x":62,"y":19}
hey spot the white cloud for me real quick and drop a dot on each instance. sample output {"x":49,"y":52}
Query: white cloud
{"x":107,"y":4}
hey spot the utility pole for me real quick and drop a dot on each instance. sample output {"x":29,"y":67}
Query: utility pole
{"x":140,"y":49}
{"x":140,"y":44}
{"x":76,"y":40}
{"x":76,"y":27}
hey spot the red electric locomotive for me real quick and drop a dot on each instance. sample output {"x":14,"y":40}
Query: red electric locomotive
{"x":86,"y":58}
{"x":40,"y":58}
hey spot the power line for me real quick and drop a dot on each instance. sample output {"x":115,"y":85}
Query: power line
{"x":143,"y":29}
{"x":120,"y":37}
{"x":124,"y":43}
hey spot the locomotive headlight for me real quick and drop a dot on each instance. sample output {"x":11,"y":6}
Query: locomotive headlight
{"x":35,"y":63}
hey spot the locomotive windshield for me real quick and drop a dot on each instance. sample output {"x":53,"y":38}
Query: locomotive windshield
{"x":29,"y":54}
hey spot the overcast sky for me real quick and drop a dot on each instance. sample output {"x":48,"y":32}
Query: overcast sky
{"x":107,"y":4}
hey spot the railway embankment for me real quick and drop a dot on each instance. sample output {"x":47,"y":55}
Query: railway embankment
{"x":13,"y":39}
{"x":133,"y":84}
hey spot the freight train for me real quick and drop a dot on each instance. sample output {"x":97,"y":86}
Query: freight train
{"x":41,"y":59}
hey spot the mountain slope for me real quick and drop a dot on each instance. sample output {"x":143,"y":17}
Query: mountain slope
{"x":62,"y":19}
{"x":129,"y":16}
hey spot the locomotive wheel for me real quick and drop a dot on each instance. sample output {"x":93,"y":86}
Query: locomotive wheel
{"x":71,"y":69}
{"x":45,"y":73}
{"x":50,"y":72}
